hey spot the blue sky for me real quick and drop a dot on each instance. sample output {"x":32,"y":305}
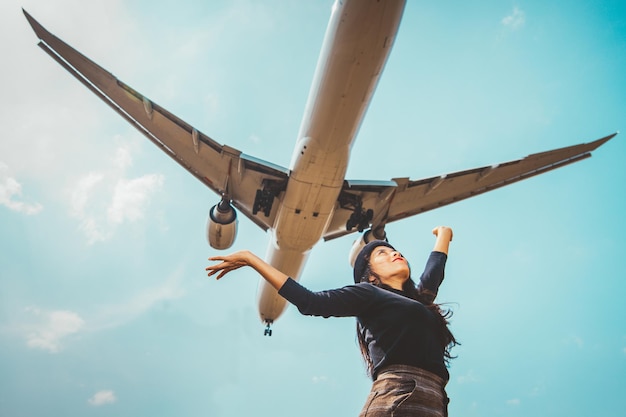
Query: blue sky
{"x":105,"y":308}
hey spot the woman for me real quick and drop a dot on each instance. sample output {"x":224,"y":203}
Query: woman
{"x":404,"y":336}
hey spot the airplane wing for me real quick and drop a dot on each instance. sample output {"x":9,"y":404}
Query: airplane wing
{"x":402,"y":197}
{"x":251,"y":184}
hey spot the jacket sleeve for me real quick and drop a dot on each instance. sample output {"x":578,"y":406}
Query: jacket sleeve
{"x":433,"y":274}
{"x":351,"y":300}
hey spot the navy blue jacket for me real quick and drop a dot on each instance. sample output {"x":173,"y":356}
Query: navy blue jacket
{"x":398,"y":330}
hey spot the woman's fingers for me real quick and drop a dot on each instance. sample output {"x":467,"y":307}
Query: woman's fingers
{"x":227,"y":263}
{"x":223,"y":267}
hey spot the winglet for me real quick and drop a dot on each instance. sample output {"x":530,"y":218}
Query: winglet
{"x":599,"y":142}
{"x":40,"y":31}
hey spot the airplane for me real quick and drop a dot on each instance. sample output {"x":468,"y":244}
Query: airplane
{"x":311,"y":200}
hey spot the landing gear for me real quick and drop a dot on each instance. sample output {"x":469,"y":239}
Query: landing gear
{"x":263,"y":202}
{"x":360,"y":219}
{"x":264,"y":199}
{"x":268,"y":330}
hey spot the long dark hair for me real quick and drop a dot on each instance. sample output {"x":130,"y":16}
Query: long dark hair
{"x":426,"y":297}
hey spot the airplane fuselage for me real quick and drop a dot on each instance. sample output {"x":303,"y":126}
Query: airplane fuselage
{"x":358,"y":40}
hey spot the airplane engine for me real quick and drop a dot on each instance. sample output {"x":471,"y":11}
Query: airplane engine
{"x":221,"y":228}
{"x":365,"y":238}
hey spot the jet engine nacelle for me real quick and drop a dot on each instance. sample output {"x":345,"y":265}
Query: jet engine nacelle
{"x":365,"y":238}
{"x":221,"y":228}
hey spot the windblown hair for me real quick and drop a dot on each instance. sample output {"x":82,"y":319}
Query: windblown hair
{"x":426,"y":297}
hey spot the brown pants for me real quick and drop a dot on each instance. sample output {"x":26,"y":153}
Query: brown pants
{"x":401,"y":390}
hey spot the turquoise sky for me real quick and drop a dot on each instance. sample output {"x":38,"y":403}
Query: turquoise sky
{"x":105,"y":308}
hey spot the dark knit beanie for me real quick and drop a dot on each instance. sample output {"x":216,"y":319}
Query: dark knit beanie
{"x":360,"y":264}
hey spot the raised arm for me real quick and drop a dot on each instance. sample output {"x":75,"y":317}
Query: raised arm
{"x":434,"y":272}
{"x":444,"y":237}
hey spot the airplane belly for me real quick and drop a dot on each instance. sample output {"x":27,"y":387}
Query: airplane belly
{"x":318,"y":164}
{"x":304,"y":214}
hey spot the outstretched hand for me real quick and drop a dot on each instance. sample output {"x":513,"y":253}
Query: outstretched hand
{"x":246,"y":258}
{"x":229,"y":263}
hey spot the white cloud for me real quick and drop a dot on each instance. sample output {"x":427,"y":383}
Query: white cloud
{"x":123,"y":158}
{"x":81,"y":194}
{"x":10,"y":188}
{"x":319,"y":379}
{"x":104,"y":200}
{"x":131,"y":197}
{"x":80,"y":200}
{"x":515,"y":20}
{"x":102,"y":398}
{"x":51,"y":328}
{"x":514,"y":402}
